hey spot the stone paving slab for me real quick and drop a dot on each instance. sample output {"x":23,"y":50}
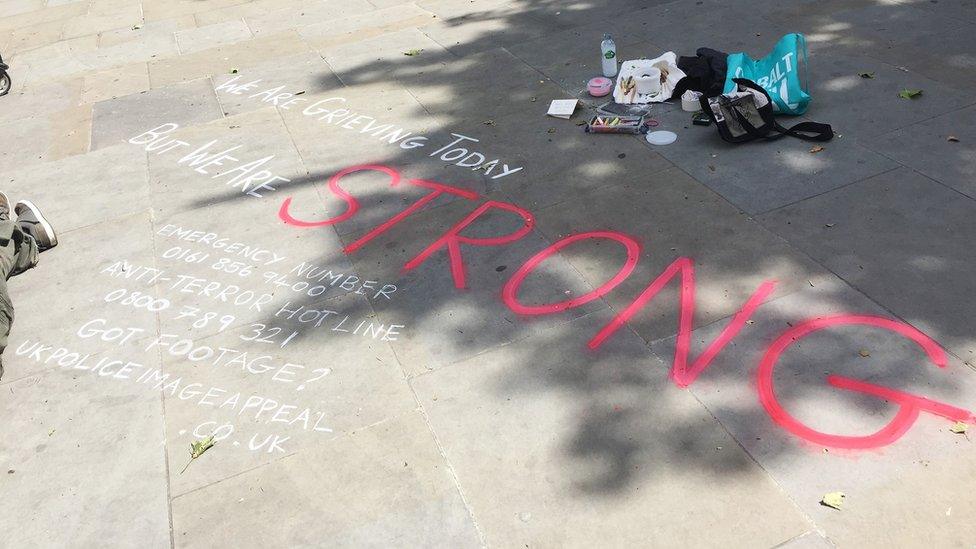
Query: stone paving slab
{"x":115,"y":83}
{"x":561,"y":16}
{"x":358,"y":27}
{"x":580,"y":163}
{"x":250,"y":144}
{"x":41,"y":100}
{"x":490,"y":77}
{"x":224,"y":59}
{"x":904,"y":229}
{"x":21,"y":142}
{"x":926,"y":147}
{"x":732,"y":255}
{"x":303,"y":14}
{"x":130,"y":239}
{"x":869,"y":28}
{"x":378,"y":60}
{"x":56,"y":61}
{"x":388,"y":486}
{"x":167,"y":9}
{"x":356,"y":384}
{"x":47,"y":138}
{"x":150,"y":32}
{"x":15,"y":7}
{"x":210,"y":36}
{"x":239,"y":11}
{"x":361,"y":399}
{"x":758,"y":177}
{"x":71,"y":463}
{"x":595,"y":438}
{"x":119,"y":170}
{"x":307,"y":73}
{"x":950,"y":60}
{"x":122,"y":16}
{"x":811,"y":540}
{"x":474,"y":330}
{"x":32,"y":36}
{"x":470,"y":29}
{"x":957,"y":9}
{"x":54,"y":13}
{"x":873,"y":481}
{"x":567,"y":56}
{"x":116,"y":120}
{"x":838,"y":90}
{"x":686,"y":26}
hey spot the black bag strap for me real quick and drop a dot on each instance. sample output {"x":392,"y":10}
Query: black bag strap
{"x":808,"y":131}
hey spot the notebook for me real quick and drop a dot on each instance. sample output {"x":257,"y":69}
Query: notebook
{"x":562,"y":108}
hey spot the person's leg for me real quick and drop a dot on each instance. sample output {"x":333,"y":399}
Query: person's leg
{"x":8,"y":260}
{"x":8,"y":248}
{"x":25,"y":256}
{"x":20,"y":242}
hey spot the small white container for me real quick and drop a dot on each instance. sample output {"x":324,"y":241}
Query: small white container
{"x":690,"y":101}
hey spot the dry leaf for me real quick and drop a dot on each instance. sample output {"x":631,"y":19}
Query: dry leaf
{"x":863,"y":353}
{"x":816,"y":149}
{"x":866,"y":74}
{"x":829,"y":225}
{"x":489,"y":122}
{"x":952,"y":139}
{"x":412,"y":53}
{"x":551,"y":130}
{"x":959,"y":428}
{"x":198,"y":448}
{"x":834,"y":500}
{"x":909,"y":94}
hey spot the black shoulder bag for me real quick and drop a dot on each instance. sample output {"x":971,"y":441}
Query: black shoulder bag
{"x":746,"y":114}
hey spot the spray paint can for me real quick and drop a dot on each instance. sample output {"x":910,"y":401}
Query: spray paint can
{"x":609,"y":57}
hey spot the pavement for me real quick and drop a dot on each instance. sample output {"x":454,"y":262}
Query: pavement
{"x":341,"y":238}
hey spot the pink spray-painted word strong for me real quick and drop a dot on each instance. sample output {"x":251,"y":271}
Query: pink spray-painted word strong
{"x":684,"y":369}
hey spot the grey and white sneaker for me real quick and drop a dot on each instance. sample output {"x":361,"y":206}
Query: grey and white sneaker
{"x":33,"y":223}
{"x":4,"y":206}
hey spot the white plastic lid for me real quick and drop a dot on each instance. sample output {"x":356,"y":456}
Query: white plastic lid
{"x":661,"y":138}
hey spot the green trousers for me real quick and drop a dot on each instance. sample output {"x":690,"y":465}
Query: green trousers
{"x":18,"y":253}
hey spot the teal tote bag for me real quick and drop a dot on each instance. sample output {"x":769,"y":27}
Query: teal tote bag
{"x":783,"y":74}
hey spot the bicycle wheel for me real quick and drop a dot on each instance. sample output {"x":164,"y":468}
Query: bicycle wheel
{"x":4,"y":83}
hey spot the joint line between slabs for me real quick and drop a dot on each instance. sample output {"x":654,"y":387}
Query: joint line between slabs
{"x":159,"y":360}
{"x":450,"y":466}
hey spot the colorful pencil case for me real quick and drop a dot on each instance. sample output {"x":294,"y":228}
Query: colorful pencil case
{"x":616,"y":124}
